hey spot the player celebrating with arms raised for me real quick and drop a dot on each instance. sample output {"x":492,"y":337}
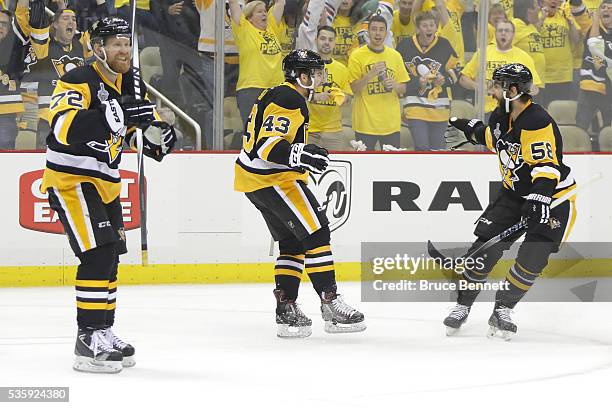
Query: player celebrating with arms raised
{"x":272,"y":169}
{"x":530,"y":151}
{"x":93,"y":112}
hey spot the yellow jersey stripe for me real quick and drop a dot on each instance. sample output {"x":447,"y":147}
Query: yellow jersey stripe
{"x":92,"y":306}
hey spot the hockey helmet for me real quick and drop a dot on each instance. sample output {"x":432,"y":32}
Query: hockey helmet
{"x":108,"y":27}
{"x":301,"y":62}
{"x":517,"y":75}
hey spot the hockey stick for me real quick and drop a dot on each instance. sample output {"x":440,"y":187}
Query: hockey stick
{"x":142,"y":192}
{"x":519,"y":227}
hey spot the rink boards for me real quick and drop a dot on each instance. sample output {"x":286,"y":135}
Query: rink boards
{"x":200,"y":230}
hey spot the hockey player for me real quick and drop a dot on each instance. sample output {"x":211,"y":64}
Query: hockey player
{"x":93,"y":113}
{"x":530,"y":151}
{"x":273,"y":169}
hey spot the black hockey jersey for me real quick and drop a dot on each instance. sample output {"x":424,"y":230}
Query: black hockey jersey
{"x":593,"y":76}
{"x":427,"y":101}
{"x":80,"y":146}
{"x":12,"y":48}
{"x":528,"y":148}
{"x":49,"y":59}
{"x":280,"y":115}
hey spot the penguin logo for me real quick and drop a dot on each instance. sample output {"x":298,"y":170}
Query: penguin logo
{"x":333,"y":190}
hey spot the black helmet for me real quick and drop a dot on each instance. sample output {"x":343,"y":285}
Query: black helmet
{"x":109,"y":26}
{"x":301,"y":61}
{"x":514,"y":74}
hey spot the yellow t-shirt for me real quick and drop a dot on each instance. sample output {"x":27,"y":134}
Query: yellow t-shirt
{"x":346,"y":38}
{"x":401,"y":31}
{"x":141,"y":4}
{"x":557,"y":49}
{"x":326,"y":116}
{"x":496,"y":59}
{"x":284,"y":34}
{"x":376,"y":111}
{"x":259,"y":56}
{"x":528,"y":39}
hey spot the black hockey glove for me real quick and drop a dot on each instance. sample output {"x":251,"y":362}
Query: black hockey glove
{"x":467,"y":127}
{"x":536,"y":209}
{"x":167,"y":141}
{"x":308,"y":157}
{"x":137,"y":113}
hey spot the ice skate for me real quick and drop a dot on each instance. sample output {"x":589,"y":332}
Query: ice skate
{"x":127,"y":350}
{"x":291,"y":321}
{"x":340,"y":317}
{"x":95,"y":354}
{"x":457,"y":317}
{"x":501,"y":322}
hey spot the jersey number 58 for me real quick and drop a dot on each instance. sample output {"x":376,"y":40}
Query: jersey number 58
{"x":541,"y":150}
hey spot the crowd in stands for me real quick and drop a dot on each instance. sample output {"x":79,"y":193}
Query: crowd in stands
{"x":396,"y":69}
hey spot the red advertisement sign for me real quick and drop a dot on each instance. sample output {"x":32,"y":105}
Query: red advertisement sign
{"x":36,"y":214}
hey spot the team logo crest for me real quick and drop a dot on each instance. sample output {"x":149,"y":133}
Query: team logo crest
{"x":425,"y":68}
{"x":510,"y":161}
{"x":112,"y":147}
{"x":66,"y":63}
{"x":333,"y":190}
{"x":554,"y":223}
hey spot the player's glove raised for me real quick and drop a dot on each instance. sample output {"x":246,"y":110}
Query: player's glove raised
{"x":467,"y":126}
{"x":166,"y":144}
{"x":309,"y":157}
{"x":536,"y":210}
{"x":137,"y":113}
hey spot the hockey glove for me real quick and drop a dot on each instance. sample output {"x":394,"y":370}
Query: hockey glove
{"x":455,"y":138}
{"x":167,"y":141}
{"x":536,"y":210}
{"x":308,"y":157}
{"x":137,"y":113}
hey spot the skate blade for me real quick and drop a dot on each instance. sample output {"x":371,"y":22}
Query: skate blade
{"x":503,"y":334}
{"x":293,"y":332}
{"x":90,"y":365}
{"x":128,"y":362}
{"x":333,"y":328}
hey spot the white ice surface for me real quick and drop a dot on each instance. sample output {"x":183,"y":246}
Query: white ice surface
{"x":215,"y":346}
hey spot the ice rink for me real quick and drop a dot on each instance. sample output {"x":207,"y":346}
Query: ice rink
{"x":215,"y":346}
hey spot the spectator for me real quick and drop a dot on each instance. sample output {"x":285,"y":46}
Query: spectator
{"x":403,"y":21}
{"x":498,"y":54}
{"x":595,"y":86}
{"x":206,"y":47}
{"x":433,"y":66}
{"x":346,"y":32}
{"x":180,"y":60}
{"x":450,"y":12}
{"x":496,"y":14}
{"x":527,"y":36}
{"x":378,"y":77}
{"x":57,"y":48}
{"x":260,"y":56}
{"x":559,"y":35}
{"x":318,"y":13}
{"x":286,"y":29}
{"x":325,"y":114}
{"x":12,"y":43}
